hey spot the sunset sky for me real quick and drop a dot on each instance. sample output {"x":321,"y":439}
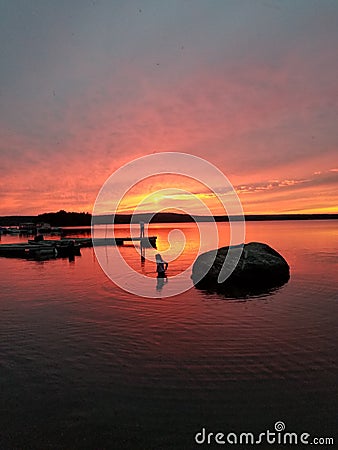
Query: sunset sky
{"x":251,"y":86}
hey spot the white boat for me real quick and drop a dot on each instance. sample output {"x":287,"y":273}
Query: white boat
{"x":13,"y":230}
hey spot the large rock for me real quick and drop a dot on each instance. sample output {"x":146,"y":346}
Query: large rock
{"x":259,"y":269}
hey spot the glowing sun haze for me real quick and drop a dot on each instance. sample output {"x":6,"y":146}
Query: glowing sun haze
{"x":87,"y":86}
{"x":157,"y":193}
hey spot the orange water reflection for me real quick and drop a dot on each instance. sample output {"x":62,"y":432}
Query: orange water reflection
{"x":67,"y":333}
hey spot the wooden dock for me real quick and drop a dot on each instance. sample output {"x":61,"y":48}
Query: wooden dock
{"x":146,"y":242}
{"x":53,"y":248}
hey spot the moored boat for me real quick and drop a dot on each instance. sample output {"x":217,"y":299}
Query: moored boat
{"x":27,"y":228}
{"x":65,"y":248}
{"x":26,"y":250}
{"x":13,"y":230}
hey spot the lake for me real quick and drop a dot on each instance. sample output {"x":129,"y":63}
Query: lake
{"x":87,"y":365}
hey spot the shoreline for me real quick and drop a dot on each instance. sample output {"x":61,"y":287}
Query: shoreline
{"x":67,"y":220}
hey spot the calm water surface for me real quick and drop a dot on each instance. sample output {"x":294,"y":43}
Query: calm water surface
{"x":85,"y":365}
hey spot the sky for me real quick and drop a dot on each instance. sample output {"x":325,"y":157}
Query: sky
{"x":249,"y":85}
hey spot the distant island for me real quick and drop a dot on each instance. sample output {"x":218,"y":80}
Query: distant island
{"x":55,"y":219}
{"x":76,"y":219}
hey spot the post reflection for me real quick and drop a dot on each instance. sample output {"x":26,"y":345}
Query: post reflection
{"x":143,"y":255}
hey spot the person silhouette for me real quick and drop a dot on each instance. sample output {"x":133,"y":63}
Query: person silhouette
{"x":161,"y":266}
